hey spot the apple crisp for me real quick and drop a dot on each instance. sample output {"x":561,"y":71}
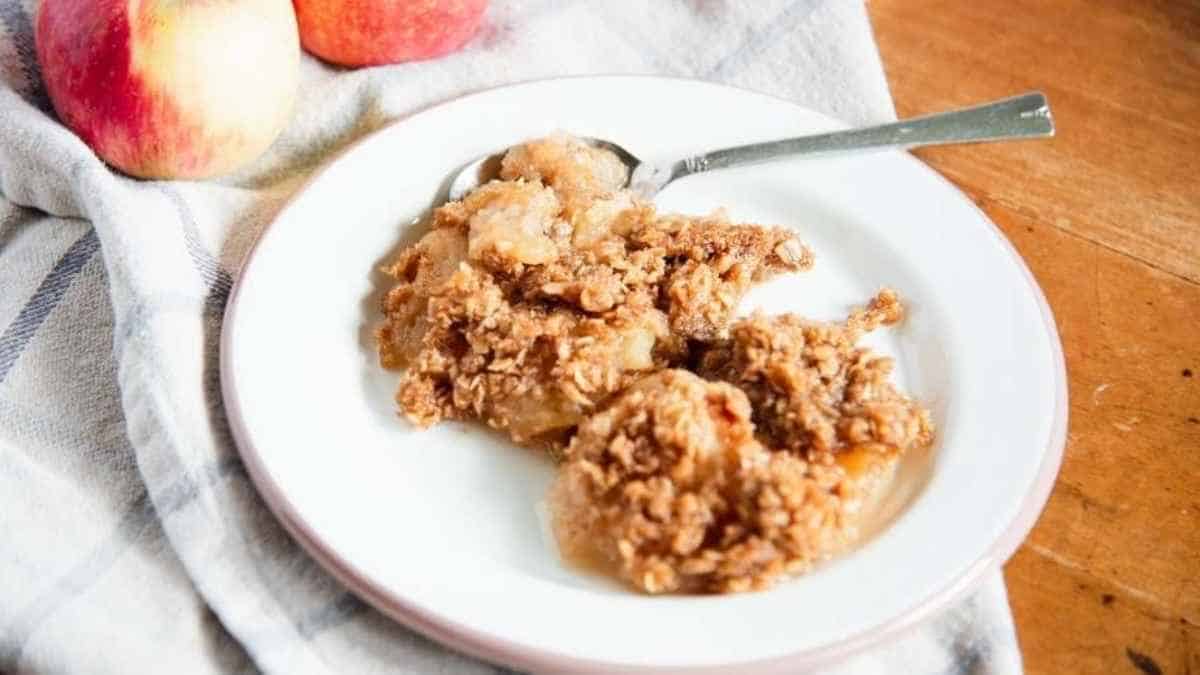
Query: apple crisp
{"x":698,"y":453}
{"x":541,"y":295}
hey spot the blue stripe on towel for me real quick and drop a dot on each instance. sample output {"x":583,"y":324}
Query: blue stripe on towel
{"x":13,"y":16}
{"x":775,"y":29}
{"x":219,"y":281}
{"x":47,"y":296}
{"x":139,"y":520}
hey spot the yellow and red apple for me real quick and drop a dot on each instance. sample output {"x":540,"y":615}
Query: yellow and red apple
{"x":374,"y":32}
{"x":171,"y":88}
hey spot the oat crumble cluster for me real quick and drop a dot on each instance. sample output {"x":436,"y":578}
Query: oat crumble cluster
{"x":698,"y":453}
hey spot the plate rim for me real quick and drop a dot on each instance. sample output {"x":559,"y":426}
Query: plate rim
{"x":491,"y":648}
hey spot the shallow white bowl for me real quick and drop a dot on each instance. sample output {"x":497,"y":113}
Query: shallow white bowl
{"x":443,"y":529}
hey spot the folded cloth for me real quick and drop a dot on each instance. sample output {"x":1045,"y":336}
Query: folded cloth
{"x":133,"y":541}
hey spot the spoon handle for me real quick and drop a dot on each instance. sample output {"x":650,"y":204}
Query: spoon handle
{"x":1025,"y":116}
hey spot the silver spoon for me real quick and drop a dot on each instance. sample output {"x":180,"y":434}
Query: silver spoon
{"x":1024,"y":116}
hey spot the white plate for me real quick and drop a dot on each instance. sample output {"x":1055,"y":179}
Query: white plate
{"x":442,"y":529}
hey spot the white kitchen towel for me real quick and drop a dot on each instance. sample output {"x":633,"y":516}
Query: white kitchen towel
{"x":130,"y":538}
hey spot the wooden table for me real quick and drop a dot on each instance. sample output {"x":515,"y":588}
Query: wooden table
{"x":1107,"y":215}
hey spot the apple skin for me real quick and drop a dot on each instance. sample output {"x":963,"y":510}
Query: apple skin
{"x":374,"y":32}
{"x":171,"y":88}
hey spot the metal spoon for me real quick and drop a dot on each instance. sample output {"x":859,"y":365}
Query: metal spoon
{"x":1025,"y":116}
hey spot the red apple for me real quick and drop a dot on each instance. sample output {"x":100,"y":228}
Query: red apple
{"x":171,"y":88}
{"x":372,"y":32}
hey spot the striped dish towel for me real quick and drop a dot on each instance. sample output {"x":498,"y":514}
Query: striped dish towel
{"x":132,"y":539}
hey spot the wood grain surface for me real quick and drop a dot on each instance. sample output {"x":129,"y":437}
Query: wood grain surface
{"x":1107,"y":215}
